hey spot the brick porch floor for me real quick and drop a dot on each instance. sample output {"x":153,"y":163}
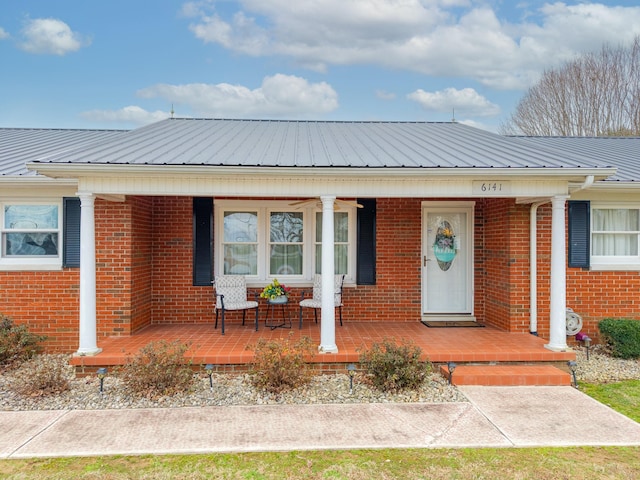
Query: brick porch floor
{"x":486,"y":346}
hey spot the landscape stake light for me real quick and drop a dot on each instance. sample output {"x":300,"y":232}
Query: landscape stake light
{"x":102,"y":372}
{"x":451,"y":366}
{"x":209,"y":369}
{"x":572,"y":366}
{"x":587,"y":344}
{"x":351,"y":368}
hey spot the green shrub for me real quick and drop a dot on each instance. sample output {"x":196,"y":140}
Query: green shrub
{"x":159,"y":369}
{"x":280,"y":365}
{"x":393,"y":367}
{"x":42,"y":375}
{"x":16,"y":342}
{"x":622,"y":337}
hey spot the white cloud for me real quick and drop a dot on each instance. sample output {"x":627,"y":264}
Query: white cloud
{"x":447,"y":38}
{"x":466,"y":101}
{"x":3,"y":34}
{"x":50,"y":36}
{"x":279,"y":95}
{"x":130,"y":114}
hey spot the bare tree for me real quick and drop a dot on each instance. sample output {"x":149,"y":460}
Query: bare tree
{"x":597,"y":94}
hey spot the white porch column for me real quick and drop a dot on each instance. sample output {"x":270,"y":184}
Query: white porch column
{"x":88,"y":333}
{"x":558,"y":300}
{"x":328,"y":316}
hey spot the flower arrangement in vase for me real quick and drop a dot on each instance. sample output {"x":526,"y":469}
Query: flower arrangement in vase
{"x":275,"y":290}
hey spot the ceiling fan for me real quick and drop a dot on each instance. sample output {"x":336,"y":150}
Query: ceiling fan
{"x":317,"y":203}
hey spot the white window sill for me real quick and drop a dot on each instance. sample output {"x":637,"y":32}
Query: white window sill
{"x":612,"y":267}
{"x":17,"y":267}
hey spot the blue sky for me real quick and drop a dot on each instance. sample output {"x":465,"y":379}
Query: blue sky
{"x":125,"y":63}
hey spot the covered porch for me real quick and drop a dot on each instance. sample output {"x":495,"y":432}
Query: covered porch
{"x":151,"y":221}
{"x":507,"y":358}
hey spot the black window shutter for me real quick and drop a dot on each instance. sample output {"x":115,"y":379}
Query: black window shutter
{"x":202,"y":238}
{"x":579,"y":233}
{"x":71,"y":232}
{"x":366,"y":256}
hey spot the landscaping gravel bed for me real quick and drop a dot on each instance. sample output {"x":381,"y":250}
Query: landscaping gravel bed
{"x":237,"y":390}
{"x":227,"y":390}
{"x":601,"y":368}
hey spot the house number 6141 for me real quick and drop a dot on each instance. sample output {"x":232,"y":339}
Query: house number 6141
{"x":489,"y":187}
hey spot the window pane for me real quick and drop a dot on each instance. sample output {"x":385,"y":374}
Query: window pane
{"x":609,"y":225}
{"x":286,"y":227}
{"x":340,"y":261}
{"x":241,"y":259}
{"x":31,"y":244}
{"x":241,"y":227}
{"x":286,"y":236}
{"x":340,"y":226}
{"x":31,"y":217}
{"x":615,"y":244}
{"x":620,"y":220}
{"x":286,"y":260}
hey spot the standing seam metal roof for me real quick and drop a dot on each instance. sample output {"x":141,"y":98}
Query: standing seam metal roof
{"x":318,"y":144}
{"x":621,"y":152}
{"x":21,"y":145}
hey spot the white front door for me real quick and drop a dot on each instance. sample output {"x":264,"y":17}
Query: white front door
{"x":447,"y":260}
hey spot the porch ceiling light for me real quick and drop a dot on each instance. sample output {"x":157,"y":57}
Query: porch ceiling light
{"x":209,"y":369}
{"x":351,"y":369}
{"x":572,"y":366}
{"x":102,"y":372}
{"x":451,"y":367}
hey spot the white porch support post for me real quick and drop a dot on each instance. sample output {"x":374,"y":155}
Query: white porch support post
{"x":558,"y":300}
{"x":88,"y":331}
{"x":328,"y":316}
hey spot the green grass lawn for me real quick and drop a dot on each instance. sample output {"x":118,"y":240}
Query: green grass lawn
{"x":537,"y":463}
{"x":623,"y":397}
{"x":487,"y":463}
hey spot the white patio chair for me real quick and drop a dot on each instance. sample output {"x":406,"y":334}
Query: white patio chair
{"x":315,"y":301}
{"x":231,"y":294}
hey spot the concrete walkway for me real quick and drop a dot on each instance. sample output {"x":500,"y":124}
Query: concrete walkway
{"x":494,"y":417}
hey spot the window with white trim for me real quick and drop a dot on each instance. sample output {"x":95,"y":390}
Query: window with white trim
{"x":615,"y":236}
{"x":31,"y":234}
{"x":277,"y":240}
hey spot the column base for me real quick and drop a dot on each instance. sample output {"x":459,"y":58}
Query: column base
{"x":327,"y":349}
{"x":87,"y":352}
{"x":558,"y":348}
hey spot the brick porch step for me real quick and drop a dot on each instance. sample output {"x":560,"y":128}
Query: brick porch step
{"x":508,"y":375}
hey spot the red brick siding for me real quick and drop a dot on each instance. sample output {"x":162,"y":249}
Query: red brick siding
{"x":113,"y":267}
{"x":174,"y":298}
{"x":142,"y":262}
{"x":47,"y":302}
{"x":507,"y":267}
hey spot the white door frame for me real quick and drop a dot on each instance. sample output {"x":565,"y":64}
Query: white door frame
{"x":428,"y":260}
